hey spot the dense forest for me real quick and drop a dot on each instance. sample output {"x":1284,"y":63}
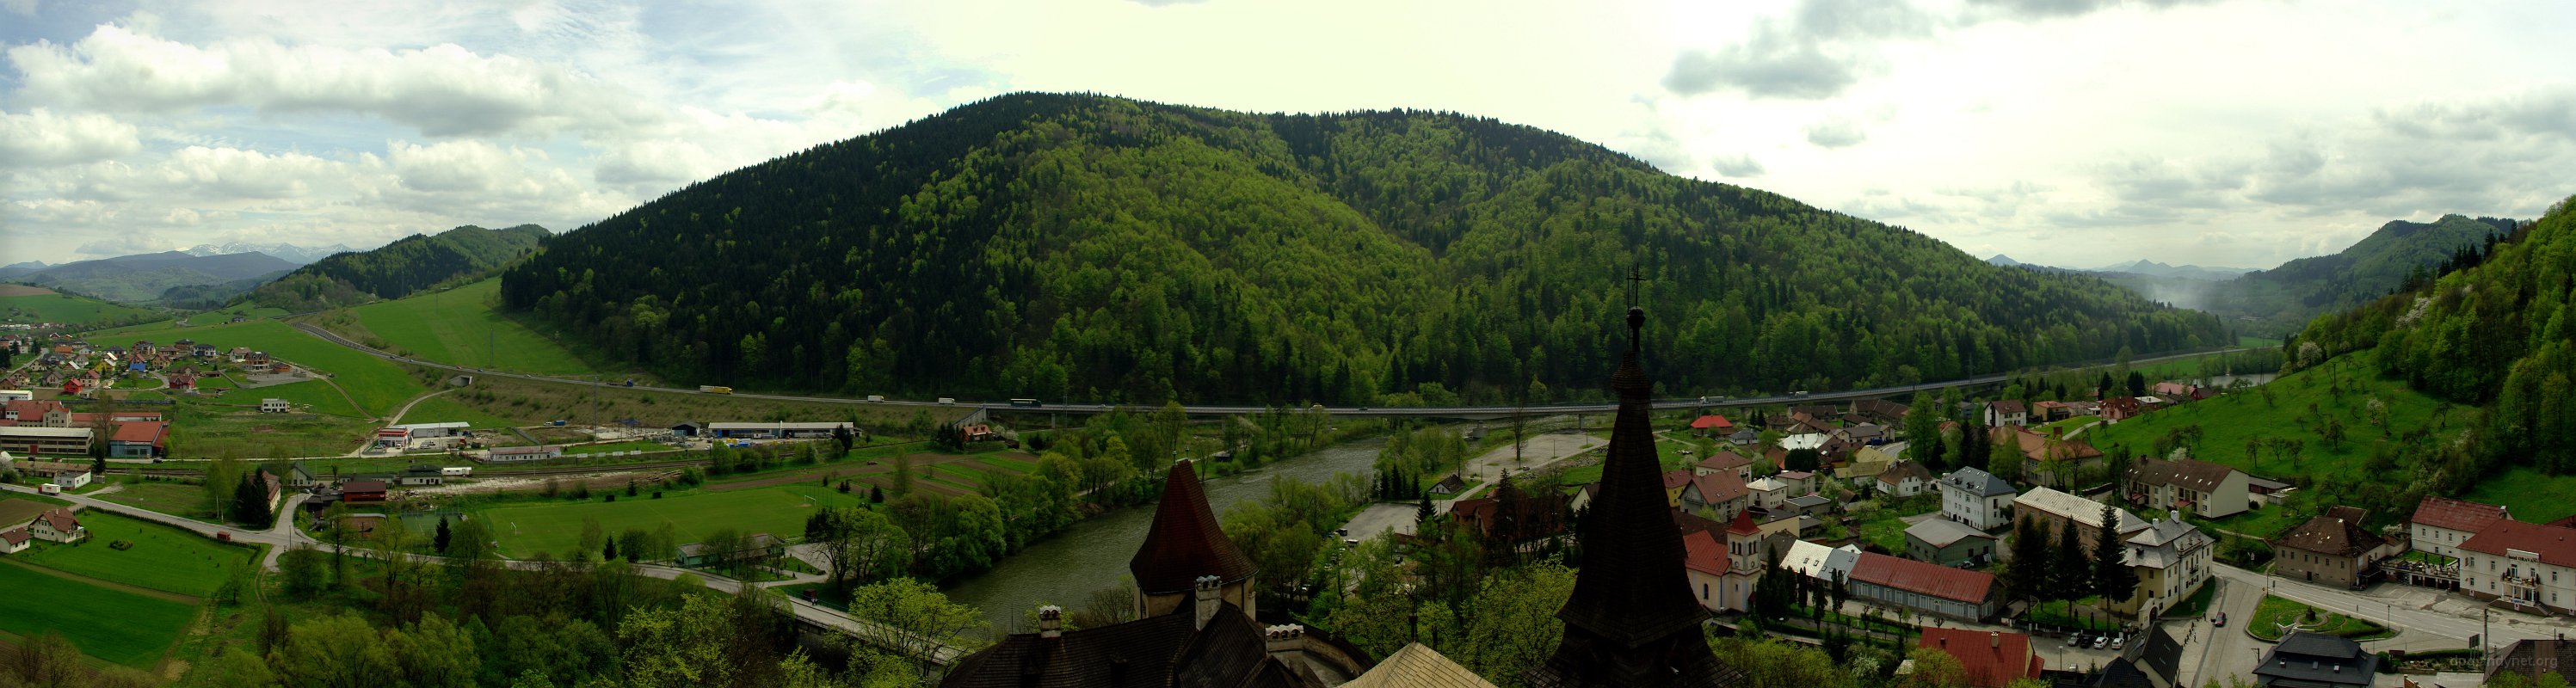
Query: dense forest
{"x":398,"y":269}
{"x":1093,"y":248}
{"x":2495,"y":331}
{"x":2400,"y":255}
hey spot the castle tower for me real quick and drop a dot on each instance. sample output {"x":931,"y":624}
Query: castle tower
{"x":1184,"y":545}
{"x":1632,"y":621}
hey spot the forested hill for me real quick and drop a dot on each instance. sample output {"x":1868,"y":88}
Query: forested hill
{"x":407,"y":265}
{"x":2496,"y":334}
{"x":1076,"y":247}
{"x":2390,"y":258}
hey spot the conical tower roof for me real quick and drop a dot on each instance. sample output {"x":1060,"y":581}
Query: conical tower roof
{"x":1186,"y":542}
{"x":1631,"y":621}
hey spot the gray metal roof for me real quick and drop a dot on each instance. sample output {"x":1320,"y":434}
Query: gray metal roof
{"x":1942,"y":532}
{"x":1977,"y":482}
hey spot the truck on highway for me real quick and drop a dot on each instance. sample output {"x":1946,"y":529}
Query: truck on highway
{"x":877,"y":398}
{"x":715,"y":389}
{"x":1025,"y":403}
{"x":948,"y":400}
{"x":453,"y":471}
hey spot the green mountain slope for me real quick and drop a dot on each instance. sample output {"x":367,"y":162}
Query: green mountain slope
{"x":2497,"y":334}
{"x":407,"y":265}
{"x":1092,"y":248}
{"x":20,"y":305}
{"x":2286,"y":297}
{"x":144,"y":278}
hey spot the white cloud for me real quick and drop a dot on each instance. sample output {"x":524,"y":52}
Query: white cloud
{"x":42,"y":139}
{"x":442,"y":90}
{"x":1835,"y":132}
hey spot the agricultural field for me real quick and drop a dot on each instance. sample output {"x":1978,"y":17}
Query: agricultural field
{"x":17,"y":508}
{"x":378,"y":387}
{"x":24,"y":304}
{"x":208,"y":429}
{"x":459,"y":327}
{"x":2281,"y":410}
{"x":526,"y":529}
{"x":118,"y":626}
{"x":176,"y":499}
{"x":163,"y":558}
{"x":441,"y":409}
{"x":310,"y":396}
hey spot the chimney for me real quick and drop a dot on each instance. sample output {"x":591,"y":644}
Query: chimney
{"x":1050,"y":621}
{"x":1994,"y":639}
{"x":1207,"y":599}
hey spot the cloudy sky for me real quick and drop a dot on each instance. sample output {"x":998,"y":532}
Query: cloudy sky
{"x":2070,"y":132}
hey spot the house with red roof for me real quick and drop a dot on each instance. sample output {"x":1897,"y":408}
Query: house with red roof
{"x":1723,"y":461}
{"x":2440,"y":524}
{"x":1712,"y":424}
{"x":139,"y":440}
{"x":1993,"y":658}
{"x":1674,"y":481}
{"x":2527,"y":565}
{"x":1924,"y":587}
{"x":58,"y":525}
{"x":1718,"y":496}
{"x":15,"y":540}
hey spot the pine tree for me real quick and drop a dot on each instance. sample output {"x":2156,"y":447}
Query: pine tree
{"x":609,"y":552}
{"x":1423,"y":512}
{"x":439,"y":540}
{"x":2026,"y":573}
{"x":2070,"y":572}
{"x":2112,"y":577}
{"x":250,"y":500}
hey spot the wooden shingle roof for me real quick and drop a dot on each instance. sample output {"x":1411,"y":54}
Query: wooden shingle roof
{"x":1185,"y":542}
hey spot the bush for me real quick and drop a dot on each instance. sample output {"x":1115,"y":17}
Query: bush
{"x":121,"y":545}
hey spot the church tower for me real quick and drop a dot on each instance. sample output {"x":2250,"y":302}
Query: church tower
{"x":1184,"y":545}
{"x":1632,"y":621}
{"x":1744,"y":561}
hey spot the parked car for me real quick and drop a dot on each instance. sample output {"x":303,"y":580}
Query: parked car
{"x":2101,"y":641}
{"x":2119,"y":641}
{"x":2075,"y":639}
{"x":2218,"y":619}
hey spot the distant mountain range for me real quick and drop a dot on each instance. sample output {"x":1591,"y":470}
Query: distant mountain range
{"x":289,"y":252}
{"x":2282,"y":299}
{"x":143,"y":278}
{"x":407,"y":265}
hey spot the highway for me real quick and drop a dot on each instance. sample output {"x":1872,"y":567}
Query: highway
{"x":1206,"y":410}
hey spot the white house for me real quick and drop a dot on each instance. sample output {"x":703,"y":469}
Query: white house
{"x":57,"y":526}
{"x":274,"y":405}
{"x":2530,"y":565}
{"x":2172,"y":559}
{"x":2004,"y":412}
{"x":1976,"y":499}
{"x":15,"y":540}
{"x":2440,"y":524}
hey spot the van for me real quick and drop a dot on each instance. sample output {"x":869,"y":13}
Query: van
{"x":50,"y":488}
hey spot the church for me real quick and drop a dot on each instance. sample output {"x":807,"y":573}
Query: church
{"x":1631,"y":621}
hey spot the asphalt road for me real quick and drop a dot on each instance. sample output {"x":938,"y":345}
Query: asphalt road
{"x":1410,"y":411}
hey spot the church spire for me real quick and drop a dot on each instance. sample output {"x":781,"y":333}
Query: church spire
{"x":1631,"y":620}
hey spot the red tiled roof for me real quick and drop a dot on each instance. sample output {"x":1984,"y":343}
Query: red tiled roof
{"x":1926,"y":578}
{"x":2457,"y":514}
{"x":60,"y":520}
{"x":2337,"y":532}
{"x":1992,"y":658}
{"x":1185,"y":542}
{"x":16,"y":536}
{"x":2554,"y":545}
{"x":2008,"y":406}
{"x":1743,"y":524}
{"x":1703,"y":553}
{"x":1712,"y":421}
{"x":363,"y":486}
{"x":1720,"y":487}
{"x":1674,"y":479}
{"x":140,"y":432}
{"x":1725,"y":460}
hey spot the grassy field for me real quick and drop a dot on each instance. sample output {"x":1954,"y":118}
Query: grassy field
{"x":2275,"y":611}
{"x":163,"y":558}
{"x":2070,"y":424}
{"x":460,"y":327}
{"x":63,"y":308}
{"x":2277,"y":410}
{"x":378,"y":386}
{"x":113,"y":625}
{"x":525,"y":530}
{"x":310,"y":396}
{"x":2529,"y":494}
{"x":441,"y":409}
{"x":176,"y":499}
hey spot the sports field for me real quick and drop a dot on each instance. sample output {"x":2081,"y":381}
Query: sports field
{"x":459,"y":327}
{"x":117,"y":626}
{"x":525,"y":530}
{"x":163,"y":558}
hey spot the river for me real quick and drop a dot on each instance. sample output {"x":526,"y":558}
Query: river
{"x":1092,"y":553}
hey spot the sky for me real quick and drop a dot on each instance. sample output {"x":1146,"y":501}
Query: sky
{"x":2078,"y":133}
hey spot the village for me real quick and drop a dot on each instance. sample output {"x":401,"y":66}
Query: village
{"x":2134,"y":589}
